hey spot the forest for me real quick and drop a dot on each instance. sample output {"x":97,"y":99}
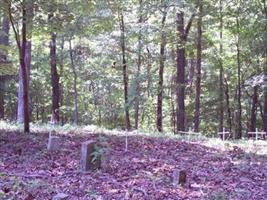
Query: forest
{"x":140,"y":95}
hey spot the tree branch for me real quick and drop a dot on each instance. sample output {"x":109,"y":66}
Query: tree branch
{"x":187,"y":29}
{"x":16,"y":32}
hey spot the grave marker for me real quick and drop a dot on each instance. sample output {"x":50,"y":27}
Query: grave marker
{"x":53,"y":142}
{"x":224,"y":134}
{"x":89,"y":158}
{"x":257,"y":133}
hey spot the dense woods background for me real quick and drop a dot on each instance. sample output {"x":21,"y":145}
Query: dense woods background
{"x":161,"y":65}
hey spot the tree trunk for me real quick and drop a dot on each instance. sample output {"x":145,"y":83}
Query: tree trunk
{"x":265,"y":94}
{"x":161,"y":71}
{"x":20,"y":108}
{"x":74,"y":84}
{"x":149,"y":65}
{"x":228,"y":105}
{"x":238,"y":131}
{"x":265,"y":71}
{"x":221,"y":94}
{"x":182,"y":33}
{"x":253,"y":115}
{"x":22,"y":59}
{"x":180,"y":74}
{"x":4,"y":40}
{"x":28,"y":53}
{"x":198,"y":68}
{"x":125,"y":74}
{"x":54,"y":80}
{"x":137,"y":77}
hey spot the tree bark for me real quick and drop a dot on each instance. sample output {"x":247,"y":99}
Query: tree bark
{"x":228,"y":104}
{"x":265,"y":70}
{"x":4,"y":40}
{"x":22,"y":53}
{"x":54,"y":80}
{"x":238,"y":131}
{"x":182,"y":34}
{"x":24,"y":71}
{"x":125,"y":73}
{"x":221,"y":94}
{"x":20,"y":107}
{"x":75,"y":114}
{"x":161,"y":71}
{"x":198,"y":68}
{"x":253,"y":115}
{"x":28,"y":53}
{"x":137,"y":77}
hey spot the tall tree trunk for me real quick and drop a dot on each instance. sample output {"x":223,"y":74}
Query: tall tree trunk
{"x":28,"y":54}
{"x":221,"y":92}
{"x":161,"y":71}
{"x":265,"y":94}
{"x":4,"y":40}
{"x":238,"y":131}
{"x":74,"y":84}
{"x":125,"y":73}
{"x":137,"y":76}
{"x":22,"y":55}
{"x":54,"y":80}
{"x":182,"y":33}
{"x":253,"y":115}
{"x":198,"y":68}
{"x":228,"y":105}
{"x":265,"y":70}
{"x":20,"y":107}
{"x":24,"y":71}
{"x":149,"y":65}
{"x":180,"y":74}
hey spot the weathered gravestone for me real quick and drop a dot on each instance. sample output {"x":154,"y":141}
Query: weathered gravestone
{"x":53,"y":142}
{"x":90,"y":158}
{"x":179,"y":177}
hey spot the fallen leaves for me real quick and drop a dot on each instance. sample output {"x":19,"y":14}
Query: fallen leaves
{"x":143,"y":172}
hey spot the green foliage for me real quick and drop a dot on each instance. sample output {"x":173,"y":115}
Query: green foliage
{"x":93,"y":28}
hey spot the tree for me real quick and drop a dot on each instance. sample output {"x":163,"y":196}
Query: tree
{"x":74,"y":83}
{"x":198,"y":67}
{"x":21,"y":44}
{"x":4,"y":41}
{"x":264,"y":10}
{"x":54,"y":74}
{"x":28,"y":55}
{"x":125,"y":72}
{"x":221,"y":86}
{"x":182,"y":34}
{"x":139,"y":62}
{"x":161,"y":68}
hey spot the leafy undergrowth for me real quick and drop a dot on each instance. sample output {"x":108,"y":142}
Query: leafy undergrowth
{"x":28,"y":171}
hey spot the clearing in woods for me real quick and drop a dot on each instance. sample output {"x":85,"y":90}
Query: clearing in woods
{"x":144,"y":171}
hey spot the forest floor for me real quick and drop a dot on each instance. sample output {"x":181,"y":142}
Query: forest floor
{"x":226,"y":171}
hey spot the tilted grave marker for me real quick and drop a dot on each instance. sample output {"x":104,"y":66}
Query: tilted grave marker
{"x":90,"y":159}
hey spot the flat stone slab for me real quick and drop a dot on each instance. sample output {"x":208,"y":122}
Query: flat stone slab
{"x":90,"y":160}
{"x":60,"y":196}
{"x":53,"y":143}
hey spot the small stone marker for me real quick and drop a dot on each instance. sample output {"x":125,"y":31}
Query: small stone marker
{"x":53,"y":142}
{"x":179,"y":177}
{"x":182,"y":177}
{"x":89,"y":161}
{"x":175,"y":179}
{"x":60,"y":196}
